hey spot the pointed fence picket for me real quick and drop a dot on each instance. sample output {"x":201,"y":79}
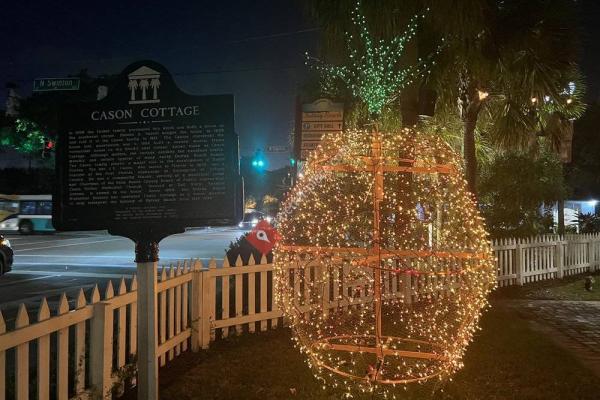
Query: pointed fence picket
{"x":162,"y":300}
{"x":198,"y":303}
{"x":251,"y":295}
{"x":43,"y":355}
{"x":62,"y":351}
{"x":239,"y":289}
{"x":80,"y":331}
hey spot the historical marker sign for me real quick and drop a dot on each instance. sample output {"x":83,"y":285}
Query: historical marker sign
{"x":148,"y":155}
{"x":315,"y":120}
{"x":53,"y":84}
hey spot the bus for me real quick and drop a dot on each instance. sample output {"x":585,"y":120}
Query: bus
{"x":26,"y":214}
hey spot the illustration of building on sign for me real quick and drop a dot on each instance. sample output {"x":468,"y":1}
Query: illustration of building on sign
{"x":143,"y":84}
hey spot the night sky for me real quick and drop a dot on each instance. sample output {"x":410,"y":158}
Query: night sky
{"x":251,"y":48}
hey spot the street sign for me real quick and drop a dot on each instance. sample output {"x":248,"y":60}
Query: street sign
{"x":278,"y":149}
{"x":54,"y":84}
{"x":148,"y":154}
{"x":314,"y":120}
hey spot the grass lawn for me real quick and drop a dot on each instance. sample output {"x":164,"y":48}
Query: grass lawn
{"x":571,"y":288}
{"x":507,"y":360}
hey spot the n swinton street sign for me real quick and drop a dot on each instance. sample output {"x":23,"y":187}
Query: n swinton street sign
{"x":54,"y":84}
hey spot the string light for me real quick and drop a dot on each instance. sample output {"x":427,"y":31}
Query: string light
{"x":374,"y":73}
{"x":375,"y":215}
{"x":383,"y":267}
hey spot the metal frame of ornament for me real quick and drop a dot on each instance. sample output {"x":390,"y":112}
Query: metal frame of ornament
{"x":373,"y":258}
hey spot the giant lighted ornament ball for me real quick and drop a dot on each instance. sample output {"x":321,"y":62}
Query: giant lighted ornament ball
{"x":383,"y":266}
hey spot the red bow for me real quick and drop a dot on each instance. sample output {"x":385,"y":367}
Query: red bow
{"x":263,"y":237}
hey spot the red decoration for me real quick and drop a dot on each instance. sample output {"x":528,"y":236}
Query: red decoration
{"x":263,"y":237}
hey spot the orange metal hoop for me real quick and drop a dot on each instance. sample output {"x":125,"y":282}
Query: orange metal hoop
{"x":328,"y":344}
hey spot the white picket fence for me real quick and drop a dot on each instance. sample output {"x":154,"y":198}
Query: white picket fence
{"x":87,"y":351}
{"x":522,"y":261}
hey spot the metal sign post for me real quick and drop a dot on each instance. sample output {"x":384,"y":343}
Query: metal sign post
{"x":146,"y":258}
{"x":146,"y":241}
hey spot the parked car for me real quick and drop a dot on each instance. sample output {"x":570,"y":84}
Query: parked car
{"x":252,"y":218}
{"x":6,"y":255}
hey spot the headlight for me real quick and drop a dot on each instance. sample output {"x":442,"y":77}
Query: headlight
{"x":5,"y":242}
{"x":241,"y":224}
{"x":255,"y":221}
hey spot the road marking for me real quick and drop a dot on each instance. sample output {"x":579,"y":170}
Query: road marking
{"x":51,"y":274}
{"x":133,"y":265}
{"x":34,"y":242}
{"x":90,"y":256}
{"x":54,"y":238}
{"x":195,"y":237}
{"x":68,"y":264}
{"x":37,"y":242}
{"x":25,"y":280}
{"x":95,"y":256}
{"x":166,"y":259}
{"x":70,"y":244}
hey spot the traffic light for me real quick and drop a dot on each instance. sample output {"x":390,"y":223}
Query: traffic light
{"x":258,"y":161}
{"x":48,"y":148}
{"x":292,"y":161}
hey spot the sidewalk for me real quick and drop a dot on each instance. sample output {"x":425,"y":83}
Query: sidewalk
{"x":573,"y":325}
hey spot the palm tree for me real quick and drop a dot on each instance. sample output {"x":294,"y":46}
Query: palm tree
{"x":498,"y":57}
{"x":513,"y":70}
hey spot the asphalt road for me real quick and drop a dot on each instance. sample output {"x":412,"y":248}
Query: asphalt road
{"x":48,"y":265}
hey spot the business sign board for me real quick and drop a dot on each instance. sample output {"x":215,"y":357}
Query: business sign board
{"x":54,"y":84}
{"x":148,"y":155}
{"x":315,"y":120}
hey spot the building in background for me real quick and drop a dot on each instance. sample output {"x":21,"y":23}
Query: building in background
{"x":573,"y":208}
